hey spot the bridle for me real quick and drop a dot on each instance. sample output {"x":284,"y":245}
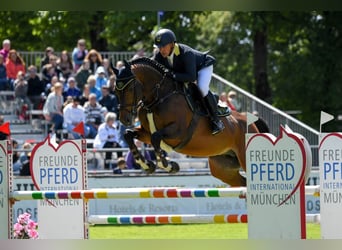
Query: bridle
{"x":130,"y":107}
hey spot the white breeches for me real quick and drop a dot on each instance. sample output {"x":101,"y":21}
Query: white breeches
{"x":204,"y":78}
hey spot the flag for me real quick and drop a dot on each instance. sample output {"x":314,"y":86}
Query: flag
{"x":325,"y":117}
{"x":5,"y":128}
{"x":251,"y":118}
{"x":79,"y":128}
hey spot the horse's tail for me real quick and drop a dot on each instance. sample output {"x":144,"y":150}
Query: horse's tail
{"x":262,"y":126}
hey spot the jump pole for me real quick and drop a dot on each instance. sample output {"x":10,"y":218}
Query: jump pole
{"x":141,"y":193}
{"x":177,"y":219}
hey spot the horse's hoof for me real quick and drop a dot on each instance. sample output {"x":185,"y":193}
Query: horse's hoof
{"x":174,"y":167}
{"x":151,"y":167}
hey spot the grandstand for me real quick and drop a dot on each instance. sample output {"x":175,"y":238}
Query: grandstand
{"x":35,"y":129}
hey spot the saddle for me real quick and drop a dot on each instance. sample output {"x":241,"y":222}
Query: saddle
{"x":194,"y":99}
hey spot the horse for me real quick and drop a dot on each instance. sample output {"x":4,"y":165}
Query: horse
{"x":171,"y":119}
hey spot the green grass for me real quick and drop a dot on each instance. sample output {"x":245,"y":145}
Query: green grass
{"x":193,"y":231}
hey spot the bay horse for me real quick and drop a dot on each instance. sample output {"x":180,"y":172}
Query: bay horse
{"x":169,"y":121}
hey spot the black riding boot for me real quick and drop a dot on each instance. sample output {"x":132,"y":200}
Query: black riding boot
{"x":211,"y":104}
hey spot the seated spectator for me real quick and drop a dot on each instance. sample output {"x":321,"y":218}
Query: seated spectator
{"x":3,"y":74}
{"x":64,"y":64}
{"x":223,"y":101}
{"x":92,"y":87}
{"x":45,"y":60}
{"x":82,"y":74}
{"x":85,"y":95}
{"x":130,"y":161}
{"x":35,"y":86}
{"x":94,"y":113}
{"x":53,"y":107}
{"x":106,"y":65}
{"x":101,"y":78}
{"x":95,"y":60}
{"x":6,"y":47}
{"x":71,"y":89}
{"x":107,"y":137}
{"x":74,"y":114}
{"x":20,"y":93}
{"x":50,"y":85}
{"x":17,"y":165}
{"x":111,"y":83}
{"x":48,"y":72}
{"x":14,"y":64}
{"x":25,"y":159}
{"x":109,"y":100}
{"x":3,"y":136}
{"x":120,"y":165}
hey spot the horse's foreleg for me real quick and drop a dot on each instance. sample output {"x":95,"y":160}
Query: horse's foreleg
{"x":129,"y":136}
{"x":156,"y":139}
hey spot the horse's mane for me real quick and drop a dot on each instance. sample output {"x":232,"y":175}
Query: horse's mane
{"x":149,"y":62}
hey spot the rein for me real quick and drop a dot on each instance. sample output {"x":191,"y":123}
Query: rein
{"x":136,"y":103}
{"x":157,"y":99}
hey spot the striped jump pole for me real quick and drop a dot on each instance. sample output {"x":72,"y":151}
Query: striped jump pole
{"x":178,"y":219}
{"x":167,"y":219}
{"x":129,"y":193}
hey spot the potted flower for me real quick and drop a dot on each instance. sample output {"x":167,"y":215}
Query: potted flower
{"x":25,"y":228}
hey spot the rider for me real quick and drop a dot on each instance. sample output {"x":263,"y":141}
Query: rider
{"x":188,"y":65}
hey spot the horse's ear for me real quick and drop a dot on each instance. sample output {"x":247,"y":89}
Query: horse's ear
{"x":127,"y":65}
{"x":115,"y":70}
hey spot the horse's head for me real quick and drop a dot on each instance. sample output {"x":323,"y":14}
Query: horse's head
{"x":129,"y":94}
{"x":153,"y":77}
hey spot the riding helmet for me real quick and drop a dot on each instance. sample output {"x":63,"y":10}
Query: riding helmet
{"x":164,"y":37}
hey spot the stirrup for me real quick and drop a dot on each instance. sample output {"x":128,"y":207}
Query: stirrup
{"x":217,"y":127}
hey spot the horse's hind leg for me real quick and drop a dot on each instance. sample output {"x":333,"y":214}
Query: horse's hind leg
{"x":148,"y":166}
{"x":227,"y":169}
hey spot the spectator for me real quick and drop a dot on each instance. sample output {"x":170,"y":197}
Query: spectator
{"x":74,"y":114}
{"x":130,"y":161}
{"x":85,"y":95}
{"x":6,"y":47}
{"x":100,"y":76}
{"x":3,"y":74}
{"x":106,"y":65}
{"x":3,"y":136}
{"x":107,"y":137}
{"x":95,"y":60}
{"x":120,"y":165}
{"x":140,"y":53}
{"x":53,"y":107}
{"x":45,"y":60}
{"x":25,"y":159}
{"x":94,"y":115}
{"x":232,"y":98}
{"x":48,"y":72}
{"x":120,"y":64}
{"x":14,"y":64}
{"x":35,"y":86}
{"x":223,"y":101}
{"x":111,"y":84}
{"x":109,"y":100}
{"x":79,"y":53}
{"x":64,"y":64}
{"x":17,"y":165}
{"x":92,"y":87}
{"x":71,"y":89}
{"x":20,"y":89}
{"x":82,"y":74}
{"x":49,"y":86}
